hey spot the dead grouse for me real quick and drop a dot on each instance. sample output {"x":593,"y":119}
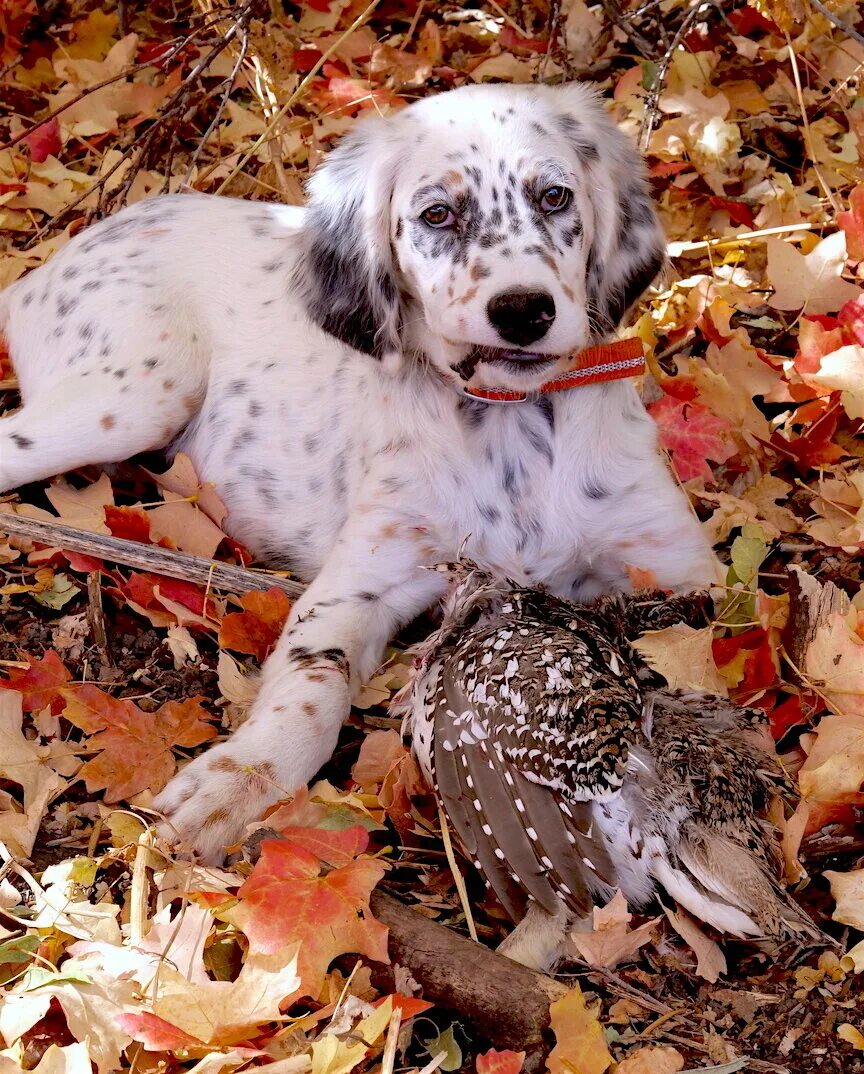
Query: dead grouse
{"x":567,"y":769}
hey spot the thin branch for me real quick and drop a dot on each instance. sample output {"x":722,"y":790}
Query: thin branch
{"x":835,"y":20}
{"x":222,"y":576}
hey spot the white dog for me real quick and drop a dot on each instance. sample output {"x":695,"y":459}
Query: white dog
{"x":314,"y":364}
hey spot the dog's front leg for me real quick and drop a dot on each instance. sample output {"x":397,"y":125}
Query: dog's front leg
{"x":370,"y":586}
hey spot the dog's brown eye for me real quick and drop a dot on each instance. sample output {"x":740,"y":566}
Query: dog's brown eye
{"x":555,"y":198}
{"x":438,"y":216}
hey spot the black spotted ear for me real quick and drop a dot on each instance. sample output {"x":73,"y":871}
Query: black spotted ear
{"x":626,"y":246}
{"x":627,"y":253}
{"x":346,"y":270}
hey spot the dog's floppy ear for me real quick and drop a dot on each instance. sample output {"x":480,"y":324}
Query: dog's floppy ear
{"x":628,"y":248}
{"x":347,"y":269}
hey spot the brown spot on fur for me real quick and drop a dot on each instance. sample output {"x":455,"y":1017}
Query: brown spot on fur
{"x":388,"y":532}
{"x":316,"y":676}
{"x":454,"y":177}
{"x":469,"y":294}
{"x":216,"y":817}
{"x":568,"y":291}
{"x":549,"y":260}
{"x":479,"y":271}
{"x":168,"y":385}
{"x":225,"y":764}
{"x":190,"y":402}
{"x":108,"y":422}
{"x":309,"y":708}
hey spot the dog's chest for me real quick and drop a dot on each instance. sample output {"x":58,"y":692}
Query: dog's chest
{"x":516,"y":495}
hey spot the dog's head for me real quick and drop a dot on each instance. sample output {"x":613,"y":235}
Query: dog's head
{"x":495,"y":229}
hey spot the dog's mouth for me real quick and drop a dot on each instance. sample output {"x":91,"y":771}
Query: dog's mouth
{"x":512,"y":361}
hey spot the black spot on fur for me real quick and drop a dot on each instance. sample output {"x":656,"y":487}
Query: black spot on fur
{"x":20,"y":441}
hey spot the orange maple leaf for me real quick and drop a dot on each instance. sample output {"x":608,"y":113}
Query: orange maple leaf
{"x":503,"y":1062}
{"x":257,"y":628}
{"x":134,"y":746}
{"x":691,"y":434}
{"x":40,"y":683}
{"x":287,"y":900}
{"x":852,"y":223}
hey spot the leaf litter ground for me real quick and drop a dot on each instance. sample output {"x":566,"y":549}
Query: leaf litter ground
{"x":111,"y":951}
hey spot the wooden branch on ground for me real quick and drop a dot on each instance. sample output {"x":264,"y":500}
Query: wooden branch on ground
{"x":503,"y":1001}
{"x":146,"y":557}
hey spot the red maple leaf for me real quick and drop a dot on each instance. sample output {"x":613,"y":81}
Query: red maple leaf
{"x":287,"y":900}
{"x":131,"y":523}
{"x":134,"y":747}
{"x":44,"y":141}
{"x":257,"y":628}
{"x":852,"y":223}
{"x":692,"y":435}
{"x":155,"y":1033}
{"x":40,"y":683}
{"x":140,"y":588}
{"x":503,"y":1062}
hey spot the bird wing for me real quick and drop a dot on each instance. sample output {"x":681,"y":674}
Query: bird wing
{"x":509,"y":780}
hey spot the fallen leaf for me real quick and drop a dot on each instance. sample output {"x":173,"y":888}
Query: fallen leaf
{"x":851,"y":1035}
{"x":134,"y":746}
{"x":71,"y":1059}
{"x":257,"y":628}
{"x":286,"y":900}
{"x":852,"y":223}
{"x":23,"y":764}
{"x":580,"y":1044}
{"x":612,"y":940}
{"x":683,"y":656}
{"x":692,"y":435}
{"x":834,"y":768}
{"x":39,"y":684}
{"x":710,"y":960}
{"x":500,"y":1062}
{"x":220,"y":1012}
{"x":809,"y":282}
{"x":655,"y":1059}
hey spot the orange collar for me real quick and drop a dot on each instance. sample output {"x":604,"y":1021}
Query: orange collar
{"x":608,"y":361}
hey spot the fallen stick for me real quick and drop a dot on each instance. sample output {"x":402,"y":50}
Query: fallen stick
{"x":167,"y":561}
{"x":503,"y":1001}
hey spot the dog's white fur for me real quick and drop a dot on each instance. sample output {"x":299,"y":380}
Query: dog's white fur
{"x":201,"y":318}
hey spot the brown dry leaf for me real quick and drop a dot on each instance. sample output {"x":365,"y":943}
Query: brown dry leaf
{"x":834,"y":769}
{"x":181,"y":480}
{"x":655,"y":1059}
{"x":612,"y":940}
{"x":23,"y":764}
{"x":72,"y":1059}
{"x":710,"y":960}
{"x":580,"y":1044}
{"x":221,"y":1012}
{"x":683,"y":656}
{"x":848,"y":892}
{"x":809,"y":282}
{"x":835,"y":663}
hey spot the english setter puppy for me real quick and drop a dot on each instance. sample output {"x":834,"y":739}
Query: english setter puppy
{"x":313,"y":363}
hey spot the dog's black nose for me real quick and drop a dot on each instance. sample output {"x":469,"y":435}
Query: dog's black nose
{"x":521,"y":316}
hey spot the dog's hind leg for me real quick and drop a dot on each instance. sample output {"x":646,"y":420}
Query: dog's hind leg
{"x":108,"y":387}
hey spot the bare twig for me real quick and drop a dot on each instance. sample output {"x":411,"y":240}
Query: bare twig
{"x":96,"y":614}
{"x":835,"y":20}
{"x":223,"y":576}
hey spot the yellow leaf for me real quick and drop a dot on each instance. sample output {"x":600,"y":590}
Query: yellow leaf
{"x":24,"y":764}
{"x":330,"y":1055}
{"x":834,"y":769}
{"x":682,"y":655}
{"x":580,"y":1042}
{"x":851,"y":1035}
{"x":835,"y":659}
{"x":848,"y":892}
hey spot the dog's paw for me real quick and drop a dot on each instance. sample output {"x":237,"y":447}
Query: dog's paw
{"x":208,"y":804}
